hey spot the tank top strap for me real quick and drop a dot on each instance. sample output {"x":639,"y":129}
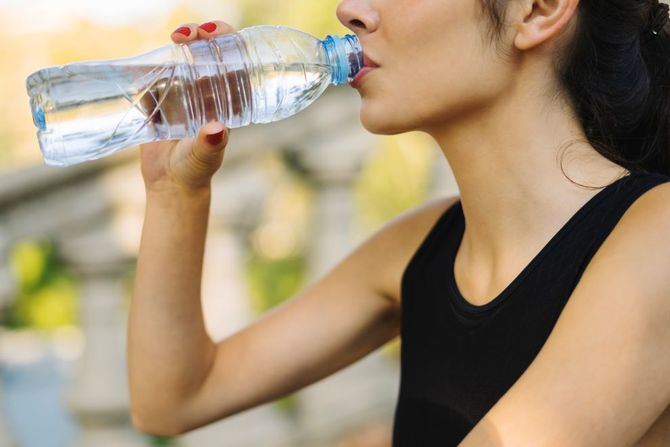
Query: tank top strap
{"x":432,"y":264}
{"x":573,"y":245}
{"x":425,"y":254}
{"x":598,"y":226}
{"x":457,"y":361}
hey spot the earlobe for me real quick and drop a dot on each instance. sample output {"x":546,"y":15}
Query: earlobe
{"x":526,"y":37}
{"x":541,"y":20}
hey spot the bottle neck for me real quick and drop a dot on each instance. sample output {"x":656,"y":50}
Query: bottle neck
{"x":345,"y":56}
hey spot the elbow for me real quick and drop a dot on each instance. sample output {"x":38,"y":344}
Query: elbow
{"x":156,"y":425}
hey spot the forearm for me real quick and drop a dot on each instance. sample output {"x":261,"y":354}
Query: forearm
{"x":169,"y":351}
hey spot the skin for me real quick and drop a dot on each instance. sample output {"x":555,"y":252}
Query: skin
{"x":498,"y":131}
{"x":498,"y":125}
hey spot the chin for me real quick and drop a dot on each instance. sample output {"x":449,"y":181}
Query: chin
{"x":384,"y":122}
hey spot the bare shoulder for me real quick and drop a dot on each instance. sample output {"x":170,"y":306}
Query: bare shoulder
{"x":657,"y":196}
{"x":638,"y":245}
{"x":655,"y":201}
{"x":643,"y":227}
{"x":392,"y":246}
{"x":614,"y":332}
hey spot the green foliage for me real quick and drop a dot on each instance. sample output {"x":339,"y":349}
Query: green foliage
{"x":162,"y":441}
{"x":396,"y":178}
{"x":271,"y":281}
{"x":287,"y":405}
{"x":46,"y":297}
{"x":128,"y":284}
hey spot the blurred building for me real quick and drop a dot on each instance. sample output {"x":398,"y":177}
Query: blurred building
{"x":93,"y":212}
{"x":312,"y":187}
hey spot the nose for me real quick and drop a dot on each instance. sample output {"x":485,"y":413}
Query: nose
{"x":358,"y":16}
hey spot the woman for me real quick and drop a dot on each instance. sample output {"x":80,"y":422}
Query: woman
{"x":553,"y":117}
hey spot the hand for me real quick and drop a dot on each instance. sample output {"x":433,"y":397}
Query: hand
{"x":187,"y":164}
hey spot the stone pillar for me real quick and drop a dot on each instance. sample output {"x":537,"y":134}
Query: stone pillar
{"x":364,"y":391}
{"x":99,"y":398}
{"x":332,"y":165}
{"x":6,"y":440}
{"x":7,"y":283}
{"x":224,"y":295}
{"x":237,"y":199}
{"x":7,"y":294}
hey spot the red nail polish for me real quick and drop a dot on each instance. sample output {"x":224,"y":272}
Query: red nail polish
{"x":215,"y":138}
{"x":185,"y":30}
{"x":210,"y":27}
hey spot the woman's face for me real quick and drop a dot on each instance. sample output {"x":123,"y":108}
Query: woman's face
{"x":434,"y":62}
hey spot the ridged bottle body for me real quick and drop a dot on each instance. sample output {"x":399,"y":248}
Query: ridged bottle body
{"x":260,"y":74}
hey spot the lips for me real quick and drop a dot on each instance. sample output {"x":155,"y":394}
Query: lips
{"x":368,"y":62}
{"x":368,"y":65}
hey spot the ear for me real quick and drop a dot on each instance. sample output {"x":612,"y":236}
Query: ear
{"x":539,"y":20}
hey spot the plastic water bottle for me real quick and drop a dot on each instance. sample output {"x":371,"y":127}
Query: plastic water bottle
{"x":88,"y":110}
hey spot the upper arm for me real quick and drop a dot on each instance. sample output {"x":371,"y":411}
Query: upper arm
{"x":340,"y":318}
{"x":603,"y":375}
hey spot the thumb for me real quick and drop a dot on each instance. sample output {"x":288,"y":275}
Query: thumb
{"x":215,"y":133}
{"x":210,"y":143}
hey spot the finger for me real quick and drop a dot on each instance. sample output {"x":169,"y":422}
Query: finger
{"x":208,"y":147}
{"x":185,"y":33}
{"x":214,"y":28}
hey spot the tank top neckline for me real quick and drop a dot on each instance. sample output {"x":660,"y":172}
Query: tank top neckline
{"x":466,"y":307}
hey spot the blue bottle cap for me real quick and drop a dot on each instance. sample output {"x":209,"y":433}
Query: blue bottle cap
{"x":345,"y":55}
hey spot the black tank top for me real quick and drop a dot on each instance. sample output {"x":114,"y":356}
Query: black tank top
{"x":458,"y":359}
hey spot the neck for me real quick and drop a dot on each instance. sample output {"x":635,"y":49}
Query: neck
{"x":505,"y":158}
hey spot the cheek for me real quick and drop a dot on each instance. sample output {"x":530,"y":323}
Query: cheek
{"x":384,"y":96}
{"x":396,"y":101}
{"x":376,"y":118}
{"x":460,"y":88}
{"x":437,"y":72}
{"x":406,"y":98}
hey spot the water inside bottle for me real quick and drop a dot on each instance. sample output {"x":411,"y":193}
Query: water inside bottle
{"x":89,"y":110}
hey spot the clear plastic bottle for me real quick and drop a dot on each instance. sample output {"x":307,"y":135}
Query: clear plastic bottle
{"x":260,"y":74}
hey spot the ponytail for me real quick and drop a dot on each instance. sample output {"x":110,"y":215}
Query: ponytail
{"x":616,"y":74}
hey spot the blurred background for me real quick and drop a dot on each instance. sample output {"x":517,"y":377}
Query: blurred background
{"x":291,"y":200}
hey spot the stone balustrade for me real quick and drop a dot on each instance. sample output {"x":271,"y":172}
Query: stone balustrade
{"x":93,"y":212}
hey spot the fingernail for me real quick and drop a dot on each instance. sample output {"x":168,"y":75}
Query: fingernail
{"x":215,"y":138}
{"x":210,"y":27}
{"x":185,"y":30}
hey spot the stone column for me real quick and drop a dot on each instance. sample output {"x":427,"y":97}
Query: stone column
{"x":7,"y":294}
{"x":332,"y":165}
{"x":99,"y":397}
{"x":237,"y":200}
{"x":7,"y":283}
{"x":366,"y":390}
{"x":225,"y":297}
{"x":6,"y":440}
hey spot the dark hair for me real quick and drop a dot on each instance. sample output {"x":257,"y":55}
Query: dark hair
{"x":616,"y":75}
